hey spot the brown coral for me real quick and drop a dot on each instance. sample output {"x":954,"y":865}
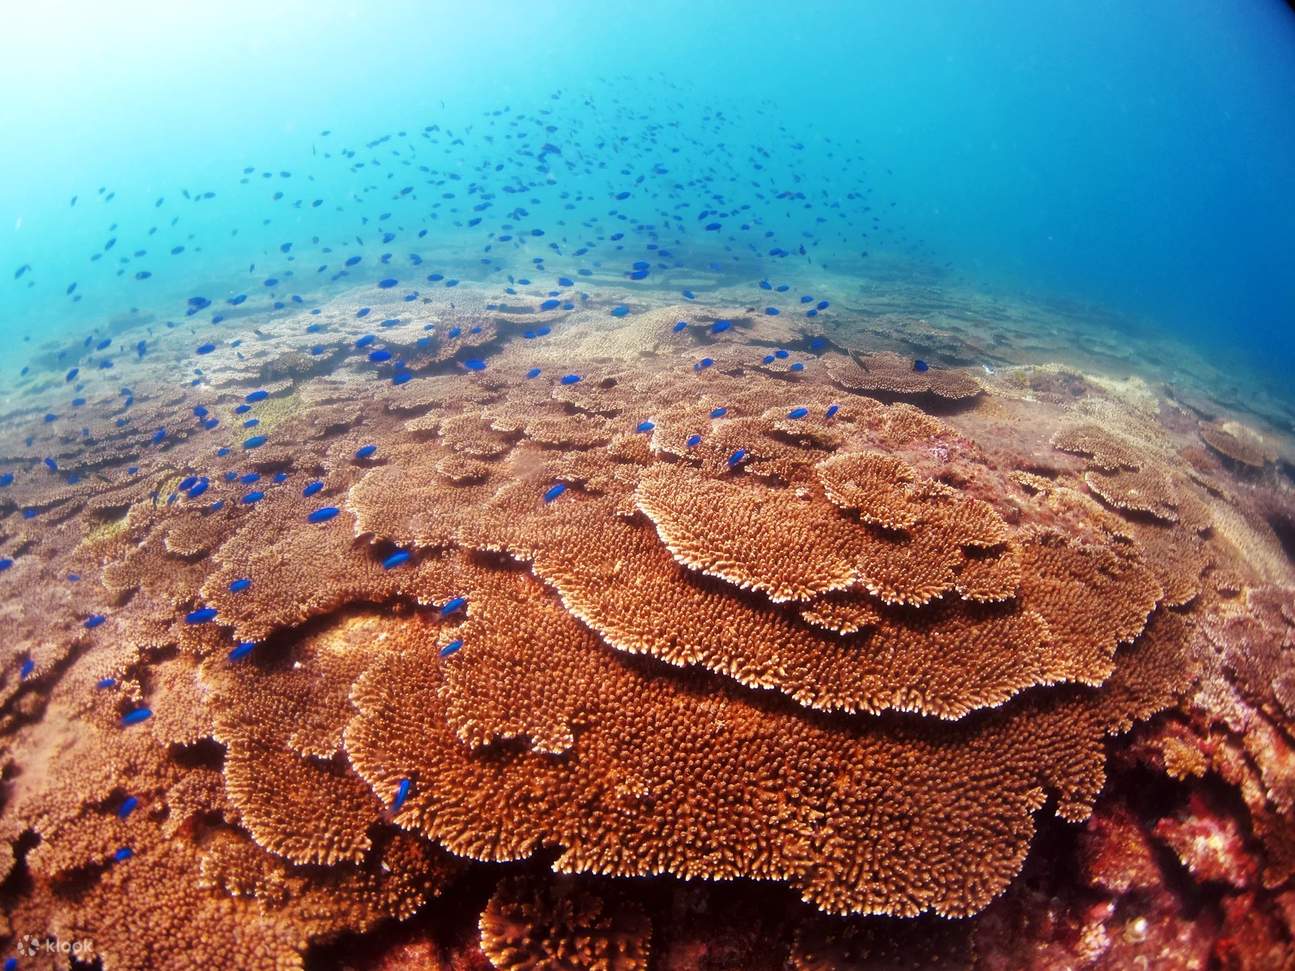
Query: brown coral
{"x":559,"y":926}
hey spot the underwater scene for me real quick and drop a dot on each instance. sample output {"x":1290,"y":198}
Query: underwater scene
{"x":586,"y":486}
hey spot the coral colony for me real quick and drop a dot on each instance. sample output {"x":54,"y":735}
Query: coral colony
{"x":637,"y":635}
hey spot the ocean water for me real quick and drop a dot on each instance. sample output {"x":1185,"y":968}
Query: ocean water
{"x":1134,"y":159}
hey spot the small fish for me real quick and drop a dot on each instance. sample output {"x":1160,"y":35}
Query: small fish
{"x":396,"y":559}
{"x":365,"y":451}
{"x":832,"y":410}
{"x":135,"y":716}
{"x":719,"y":412}
{"x":771,"y":311}
{"x":239,"y":585}
{"x":253,"y":497}
{"x":533,"y":373}
{"x":680,"y":326}
{"x":256,"y":441}
{"x":736,"y":458}
{"x":93,"y":621}
{"x":693,"y":441}
{"x":920,"y":366}
{"x":451,"y":648}
{"x":127,"y":807}
{"x":797,"y":413}
{"x":380,"y":356}
{"x":554,"y":491}
{"x":474,"y":364}
{"x":720,"y":326}
{"x":106,"y":683}
{"x":402,"y":793}
{"x":71,"y":375}
{"x":458,"y":603}
{"x":569,"y":379}
{"x":689,"y":295}
{"x":28,"y":666}
{"x":549,"y":305}
{"x":323,"y":514}
{"x":243,"y":649}
{"x":387,"y":283}
{"x":620,"y":310}
{"x":255,"y":396}
{"x":205,"y":348}
{"x":645,"y":426}
{"x":704,"y":363}
{"x":123,"y":854}
{"x":312,"y":488}
{"x":5,"y":563}
{"x":200,"y":616}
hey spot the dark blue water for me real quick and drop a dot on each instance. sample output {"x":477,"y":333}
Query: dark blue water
{"x":1138,"y":157}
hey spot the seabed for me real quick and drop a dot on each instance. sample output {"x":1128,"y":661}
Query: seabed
{"x":756,"y":646}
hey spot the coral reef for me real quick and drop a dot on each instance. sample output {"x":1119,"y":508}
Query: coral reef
{"x":673,"y":654}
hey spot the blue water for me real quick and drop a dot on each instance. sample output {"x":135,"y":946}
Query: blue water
{"x":1137,"y":157}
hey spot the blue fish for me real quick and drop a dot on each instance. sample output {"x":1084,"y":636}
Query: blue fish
{"x":569,"y":379}
{"x":920,"y":366}
{"x":312,"y":488}
{"x":243,"y":649}
{"x":200,"y":616}
{"x":645,"y":426}
{"x":832,"y":410}
{"x":474,"y":364}
{"x":239,"y":585}
{"x":402,"y":793}
{"x":798,"y":366}
{"x":457,"y":603}
{"x":323,"y":514}
{"x":689,"y":295}
{"x":554,"y":491}
{"x":693,"y":441}
{"x":253,"y":497}
{"x":365,"y":451}
{"x":704,"y":363}
{"x":620,"y":310}
{"x":396,"y":559}
{"x":256,"y":441}
{"x":719,"y":412}
{"x":720,"y":326}
{"x":380,"y":356}
{"x":123,"y":854}
{"x":127,"y":807}
{"x":772,"y":311}
{"x":135,"y":716}
{"x":28,"y":666}
{"x":106,"y":683}
{"x":256,"y":396}
{"x":797,"y":413}
{"x":93,"y":621}
{"x":736,"y":458}
{"x":533,"y":373}
{"x":549,"y":305}
{"x":451,"y":648}
{"x":5,"y":563}
{"x":680,"y":326}
{"x":387,"y":283}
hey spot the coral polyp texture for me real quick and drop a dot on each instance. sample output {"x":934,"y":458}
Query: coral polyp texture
{"x":642,"y":647}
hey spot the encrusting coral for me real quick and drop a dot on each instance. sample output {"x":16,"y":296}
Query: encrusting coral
{"x":634,"y":619}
